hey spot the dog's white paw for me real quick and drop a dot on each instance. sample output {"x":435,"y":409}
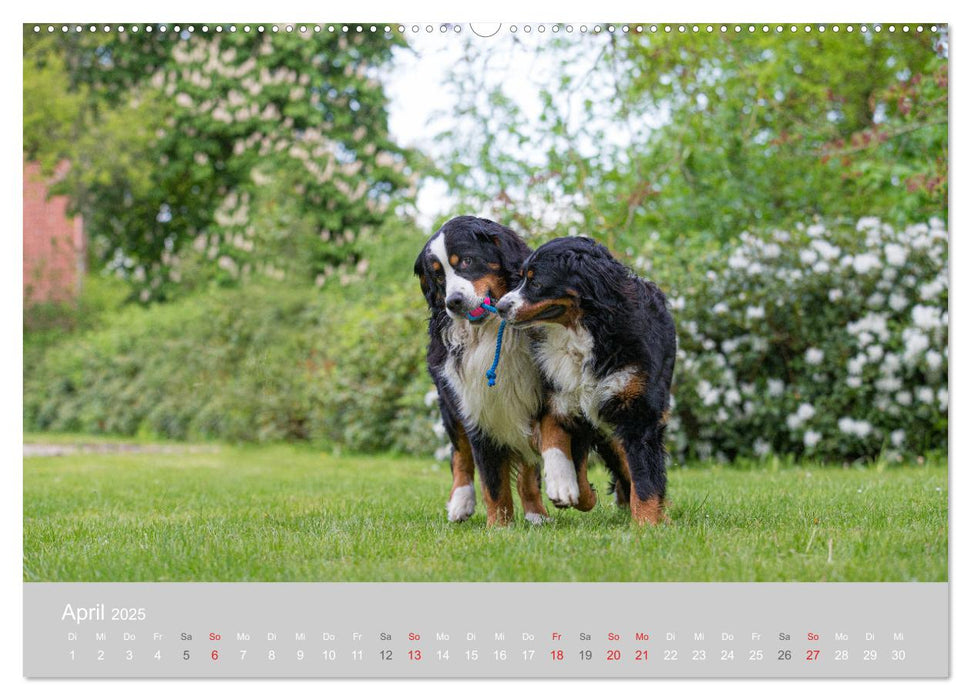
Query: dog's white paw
{"x":461,"y":505}
{"x":561,"y":478}
{"x":537,"y":519}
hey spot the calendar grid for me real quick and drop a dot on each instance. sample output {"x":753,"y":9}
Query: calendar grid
{"x":500,"y":630}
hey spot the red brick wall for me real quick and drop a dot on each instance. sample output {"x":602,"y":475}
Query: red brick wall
{"x":53,"y":242}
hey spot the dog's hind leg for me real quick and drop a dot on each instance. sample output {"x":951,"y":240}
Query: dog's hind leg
{"x":580,"y":453}
{"x":494,"y":465}
{"x":499,"y":509}
{"x":645,"y":459}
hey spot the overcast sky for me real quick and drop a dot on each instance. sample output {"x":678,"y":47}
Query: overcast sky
{"x":416,"y":86}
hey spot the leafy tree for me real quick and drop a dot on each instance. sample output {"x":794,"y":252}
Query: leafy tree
{"x":215,"y":155}
{"x":755,"y":120}
{"x":536,"y":171}
{"x":696,"y":137}
{"x":51,"y":107}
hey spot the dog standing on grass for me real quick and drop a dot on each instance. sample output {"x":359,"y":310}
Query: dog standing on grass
{"x":606,"y":349}
{"x":468,"y":262}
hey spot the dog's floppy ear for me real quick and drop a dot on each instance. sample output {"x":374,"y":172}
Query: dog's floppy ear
{"x":427,"y":285}
{"x":513,"y":250}
{"x":605,"y":278}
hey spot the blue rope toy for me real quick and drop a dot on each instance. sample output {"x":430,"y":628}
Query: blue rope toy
{"x":486,"y":305}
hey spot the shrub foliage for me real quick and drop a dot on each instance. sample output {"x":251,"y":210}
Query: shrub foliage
{"x":826,"y":340}
{"x":256,"y":364}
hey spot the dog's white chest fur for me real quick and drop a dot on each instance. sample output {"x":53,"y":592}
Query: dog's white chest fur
{"x":506,"y":411}
{"x":565,"y":356}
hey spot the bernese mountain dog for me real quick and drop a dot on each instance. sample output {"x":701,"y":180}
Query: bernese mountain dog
{"x":606,"y":348}
{"x":467,"y":262}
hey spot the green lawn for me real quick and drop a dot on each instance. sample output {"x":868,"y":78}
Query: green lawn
{"x":291,"y":514}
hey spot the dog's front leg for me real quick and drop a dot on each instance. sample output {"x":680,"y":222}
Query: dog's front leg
{"x":461,"y":499}
{"x":558,"y":469}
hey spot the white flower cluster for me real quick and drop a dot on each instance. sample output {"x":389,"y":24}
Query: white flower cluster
{"x":256,"y":106}
{"x":859,"y":428}
{"x":826,"y":340}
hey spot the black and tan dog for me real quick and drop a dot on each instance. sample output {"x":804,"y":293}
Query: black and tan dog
{"x":606,"y":349}
{"x":466,"y":263}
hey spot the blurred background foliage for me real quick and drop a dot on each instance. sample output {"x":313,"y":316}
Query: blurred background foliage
{"x":198,"y":157}
{"x":695,"y":138}
{"x":252,"y":224}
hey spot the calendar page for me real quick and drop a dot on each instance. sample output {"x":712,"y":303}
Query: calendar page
{"x":560,"y":350}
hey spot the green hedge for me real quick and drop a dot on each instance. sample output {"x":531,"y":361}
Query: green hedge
{"x":260,"y":363}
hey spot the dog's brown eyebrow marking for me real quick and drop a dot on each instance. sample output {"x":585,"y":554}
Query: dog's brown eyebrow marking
{"x":453,"y":259}
{"x":530,"y":273}
{"x":436,"y":265}
{"x":629,"y":392}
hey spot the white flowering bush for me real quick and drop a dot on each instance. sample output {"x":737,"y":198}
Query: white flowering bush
{"x":222,"y":155}
{"x":826,"y":341}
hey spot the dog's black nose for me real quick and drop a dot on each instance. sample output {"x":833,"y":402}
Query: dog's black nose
{"x":455,"y":303}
